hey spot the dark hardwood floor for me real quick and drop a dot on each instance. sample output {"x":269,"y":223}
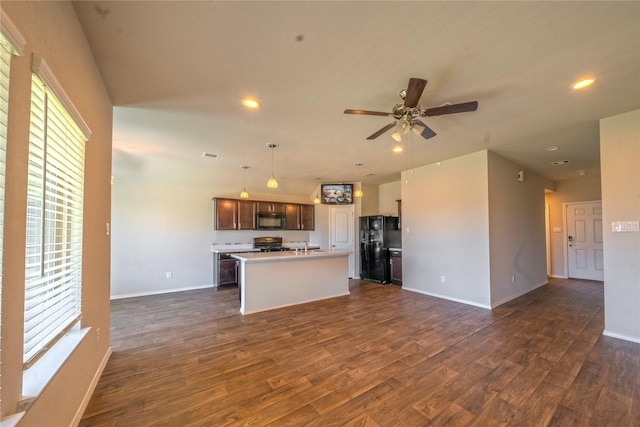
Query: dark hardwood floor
{"x":379,"y":357}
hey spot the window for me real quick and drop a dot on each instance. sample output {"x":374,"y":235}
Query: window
{"x":53,"y":263}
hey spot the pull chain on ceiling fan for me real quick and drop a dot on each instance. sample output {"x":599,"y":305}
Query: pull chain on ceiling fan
{"x":407,"y":112}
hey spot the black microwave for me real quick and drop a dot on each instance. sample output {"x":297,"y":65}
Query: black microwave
{"x":271,"y":221}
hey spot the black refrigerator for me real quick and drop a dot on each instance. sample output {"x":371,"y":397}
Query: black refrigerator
{"x":377,"y":234}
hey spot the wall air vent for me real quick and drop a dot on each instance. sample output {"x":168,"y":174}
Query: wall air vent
{"x":560,"y":162}
{"x":215,"y":156}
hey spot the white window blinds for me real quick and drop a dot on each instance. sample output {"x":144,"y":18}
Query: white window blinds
{"x":5,"y":60}
{"x":53,"y":267}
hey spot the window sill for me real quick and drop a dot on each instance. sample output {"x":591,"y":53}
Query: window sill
{"x":35,"y":379}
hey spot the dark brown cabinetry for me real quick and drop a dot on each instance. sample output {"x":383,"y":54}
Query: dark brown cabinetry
{"x":307,"y":217}
{"x":246,"y":215}
{"x":300,"y":217}
{"x":227,"y":271}
{"x":233,"y":214}
{"x":270,"y":207}
{"x":395,"y":259}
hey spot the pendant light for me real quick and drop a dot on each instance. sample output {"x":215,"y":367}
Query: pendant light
{"x":244,"y":194}
{"x":272,"y":183}
{"x":316,"y":200}
{"x":358,"y":192}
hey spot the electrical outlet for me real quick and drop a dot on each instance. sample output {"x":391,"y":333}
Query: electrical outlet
{"x":98,"y":334}
{"x":168,"y":275}
{"x":443,"y":279}
{"x":513,"y":279}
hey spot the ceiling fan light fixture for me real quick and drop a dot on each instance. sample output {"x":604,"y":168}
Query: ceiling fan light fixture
{"x":396,"y":136}
{"x":403,"y":126}
{"x":417,"y":129}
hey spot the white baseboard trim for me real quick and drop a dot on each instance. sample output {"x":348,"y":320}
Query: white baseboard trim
{"x":431,"y":294}
{"x":559,"y":276}
{"x":517,"y":295}
{"x":161,"y":291}
{"x":92,"y":388}
{"x":621,"y":336}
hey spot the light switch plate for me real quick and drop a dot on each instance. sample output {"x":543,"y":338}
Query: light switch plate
{"x":625,"y":226}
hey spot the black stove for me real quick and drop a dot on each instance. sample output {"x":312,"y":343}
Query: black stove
{"x":268,"y":244}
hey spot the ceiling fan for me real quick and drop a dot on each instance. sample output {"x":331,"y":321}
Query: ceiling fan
{"x":407,"y":112}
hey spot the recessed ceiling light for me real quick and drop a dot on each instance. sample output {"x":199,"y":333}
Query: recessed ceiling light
{"x":552,"y":148}
{"x":250,"y":103}
{"x":581,"y":84}
{"x":581,"y":172}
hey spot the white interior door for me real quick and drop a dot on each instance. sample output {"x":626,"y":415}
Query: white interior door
{"x":342,"y":235}
{"x":584,"y":241}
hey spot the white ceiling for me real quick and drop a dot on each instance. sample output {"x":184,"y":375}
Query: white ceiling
{"x":176,"y":72}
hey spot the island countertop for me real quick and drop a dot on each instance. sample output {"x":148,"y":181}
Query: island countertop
{"x":251,"y":257}
{"x":269,"y":280}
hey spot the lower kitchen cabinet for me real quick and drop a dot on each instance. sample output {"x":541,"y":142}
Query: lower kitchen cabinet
{"x":395,"y":259}
{"x":225,"y":270}
{"x":228,"y":272}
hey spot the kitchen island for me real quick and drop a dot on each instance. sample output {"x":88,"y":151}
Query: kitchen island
{"x":271,"y":280}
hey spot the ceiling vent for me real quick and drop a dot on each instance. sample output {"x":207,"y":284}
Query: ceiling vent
{"x":560,"y":162}
{"x":215,"y":156}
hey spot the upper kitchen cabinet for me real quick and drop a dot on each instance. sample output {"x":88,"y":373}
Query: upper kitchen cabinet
{"x":308,"y":217}
{"x":233,"y":214}
{"x":300,"y":217}
{"x":270,"y":207}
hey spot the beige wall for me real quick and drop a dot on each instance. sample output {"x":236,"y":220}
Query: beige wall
{"x":369,"y":201}
{"x":470,"y":219}
{"x":52,"y":30}
{"x":445,"y":221}
{"x":583,"y":189}
{"x":516,"y":230}
{"x":620,"y":165}
{"x":388,"y":194}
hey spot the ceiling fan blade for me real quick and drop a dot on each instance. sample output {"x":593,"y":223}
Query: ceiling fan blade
{"x":366,"y":113}
{"x":414,"y":92}
{"x":427,"y":132}
{"x":451,"y":109}
{"x":381,"y":131}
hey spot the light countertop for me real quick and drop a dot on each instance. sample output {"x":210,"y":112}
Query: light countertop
{"x":288,"y":255}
